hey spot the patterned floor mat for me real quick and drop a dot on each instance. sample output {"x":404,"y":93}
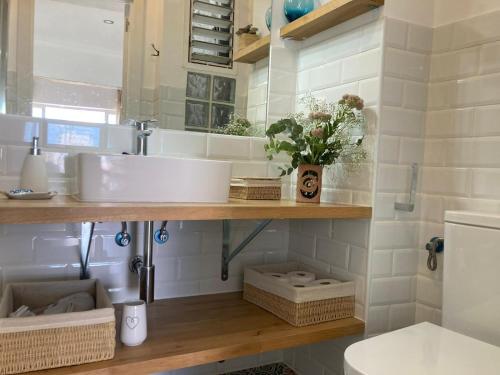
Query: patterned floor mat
{"x":274,"y":369}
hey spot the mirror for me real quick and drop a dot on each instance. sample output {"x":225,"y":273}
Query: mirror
{"x":107,"y":61}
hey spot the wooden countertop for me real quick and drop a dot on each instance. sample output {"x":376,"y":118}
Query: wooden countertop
{"x":185,"y":332}
{"x":65,"y":209}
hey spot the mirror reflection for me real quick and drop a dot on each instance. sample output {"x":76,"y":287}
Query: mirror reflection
{"x":109,"y":61}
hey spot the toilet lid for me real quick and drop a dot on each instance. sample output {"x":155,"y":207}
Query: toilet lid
{"x":422,"y":349}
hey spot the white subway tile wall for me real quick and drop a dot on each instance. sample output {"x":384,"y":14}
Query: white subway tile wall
{"x":344,"y":59}
{"x":461,"y":161}
{"x":257,"y":93}
{"x":394,"y":239}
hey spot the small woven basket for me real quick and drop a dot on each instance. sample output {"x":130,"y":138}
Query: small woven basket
{"x":50,"y":341}
{"x":304,"y":313}
{"x":255,"y":192}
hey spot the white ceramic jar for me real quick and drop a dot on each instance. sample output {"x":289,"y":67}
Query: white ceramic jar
{"x":134,"y":327}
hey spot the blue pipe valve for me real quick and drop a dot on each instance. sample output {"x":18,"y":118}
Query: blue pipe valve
{"x":123,"y":238}
{"x":161,"y":235}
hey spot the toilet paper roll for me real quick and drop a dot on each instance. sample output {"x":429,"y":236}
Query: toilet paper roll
{"x":300,"y":286}
{"x":323,"y":282}
{"x":301,"y":277}
{"x":280,"y":277}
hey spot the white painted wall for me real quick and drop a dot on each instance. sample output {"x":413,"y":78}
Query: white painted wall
{"x":259,"y":8}
{"x":71,"y":42}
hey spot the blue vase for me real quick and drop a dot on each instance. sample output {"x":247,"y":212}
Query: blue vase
{"x":269,"y":17}
{"x":297,"y":8}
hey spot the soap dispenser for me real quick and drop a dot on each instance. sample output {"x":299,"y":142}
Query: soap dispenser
{"x":34,"y":172}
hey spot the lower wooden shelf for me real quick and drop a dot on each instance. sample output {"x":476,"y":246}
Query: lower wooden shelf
{"x":185,"y":332}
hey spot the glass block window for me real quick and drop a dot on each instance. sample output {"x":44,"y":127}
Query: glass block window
{"x":209,"y":102}
{"x":211,"y":37}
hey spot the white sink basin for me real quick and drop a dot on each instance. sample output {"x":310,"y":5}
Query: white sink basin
{"x":132,"y":178}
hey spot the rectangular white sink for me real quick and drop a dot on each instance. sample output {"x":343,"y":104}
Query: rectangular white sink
{"x":134,"y":178}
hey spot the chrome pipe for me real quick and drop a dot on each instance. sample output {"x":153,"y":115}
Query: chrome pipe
{"x":147,"y":270}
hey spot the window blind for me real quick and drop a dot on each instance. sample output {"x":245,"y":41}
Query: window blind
{"x":211,"y":38}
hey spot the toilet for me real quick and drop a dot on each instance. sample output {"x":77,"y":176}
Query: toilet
{"x":469,"y":340}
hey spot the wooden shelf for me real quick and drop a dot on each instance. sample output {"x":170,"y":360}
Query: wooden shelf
{"x":185,"y":332}
{"x":254,"y":52}
{"x":332,"y":13}
{"x":65,"y":209}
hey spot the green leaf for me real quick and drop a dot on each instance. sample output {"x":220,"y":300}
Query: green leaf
{"x":296,"y":131}
{"x":287,"y":146}
{"x":276,"y":128}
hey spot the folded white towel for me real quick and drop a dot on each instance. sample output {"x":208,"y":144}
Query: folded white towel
{"x":22,"y":312}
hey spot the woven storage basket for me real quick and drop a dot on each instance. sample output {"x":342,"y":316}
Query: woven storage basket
{"x":255,"y":192}
{"x":298,"y":306}
{"x":50,"y":341}
{"x":300,"y":314}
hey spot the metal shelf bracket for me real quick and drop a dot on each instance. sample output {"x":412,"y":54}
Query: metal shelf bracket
{"x":85,"y":245}
{"x":228,"y":256}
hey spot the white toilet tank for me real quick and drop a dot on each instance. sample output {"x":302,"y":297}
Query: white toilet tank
{"x":471,"y":285}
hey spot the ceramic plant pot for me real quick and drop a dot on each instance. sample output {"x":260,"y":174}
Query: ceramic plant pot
{"x":309,"y":179}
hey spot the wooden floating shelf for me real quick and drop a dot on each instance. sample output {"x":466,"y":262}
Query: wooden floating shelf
{"x":65,"y":209}
{"x":254,"y":52}
{"x":185,"y":332}
{"x":332,"y":13}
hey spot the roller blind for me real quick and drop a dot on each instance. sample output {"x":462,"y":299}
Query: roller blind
{"x":211,"y":38}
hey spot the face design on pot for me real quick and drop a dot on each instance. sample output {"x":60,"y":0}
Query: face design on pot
{"x":309,"y":184}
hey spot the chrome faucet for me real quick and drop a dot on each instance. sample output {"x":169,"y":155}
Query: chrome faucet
{"x":143,"y":132}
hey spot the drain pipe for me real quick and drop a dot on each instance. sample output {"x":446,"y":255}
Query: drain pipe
{"x":147,"y":269}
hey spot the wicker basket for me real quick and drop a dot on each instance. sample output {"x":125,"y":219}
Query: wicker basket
{"x":299,"y":307}
{"x":50,"y":341}
{"x":255,"y":192}
{"x":300,"y":314}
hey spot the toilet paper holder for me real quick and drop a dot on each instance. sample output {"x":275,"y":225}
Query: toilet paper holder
{"x":410,"y":206}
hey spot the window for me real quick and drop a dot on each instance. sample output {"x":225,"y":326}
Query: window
{"x":73,"y":101}
{"x":87,"y":115}
{"x":211,"y":40}
{"x":209,"y":102}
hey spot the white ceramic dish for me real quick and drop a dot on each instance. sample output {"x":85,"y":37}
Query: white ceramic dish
{"x":31,"y":196}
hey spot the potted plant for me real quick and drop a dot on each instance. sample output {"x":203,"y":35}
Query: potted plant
{"x":323,"y":137}
{"x":237,"y":126}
